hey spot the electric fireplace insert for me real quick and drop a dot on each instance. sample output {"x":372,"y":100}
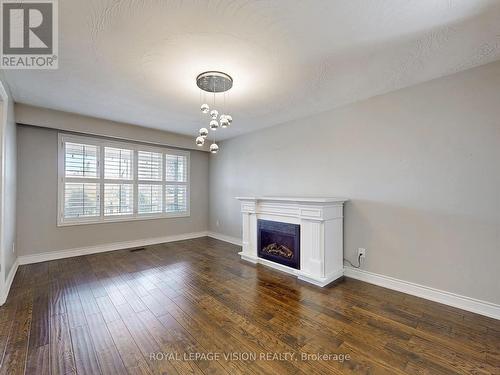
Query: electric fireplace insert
{"x":279,"y":242}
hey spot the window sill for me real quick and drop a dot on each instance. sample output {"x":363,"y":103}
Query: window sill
{"x":121,"y":219}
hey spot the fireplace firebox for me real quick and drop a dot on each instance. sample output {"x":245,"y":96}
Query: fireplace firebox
{"x":279,"y":242}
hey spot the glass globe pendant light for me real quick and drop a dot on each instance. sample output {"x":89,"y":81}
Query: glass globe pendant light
{"x":213,"y":82}
{"x":204,"y":132}
{"x":214,"y":148}
{"x":200,"y":141}
{"x":224,"y":123}
{"x":214,"y":125}
{"x":204,"y":108}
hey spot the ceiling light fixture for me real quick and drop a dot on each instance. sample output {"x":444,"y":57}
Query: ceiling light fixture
{"x":213,"y":82}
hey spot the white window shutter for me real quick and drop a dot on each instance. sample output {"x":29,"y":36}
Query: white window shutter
{"x":101,"y":180}
{"x":176,"y":168}
{"x":175,"y":198}
{"x":150,"y":166}
{"x":118,"y":199}
{"x":81,"y":160}
{"x":118,"y":163}
{"x":81,"y":200}
{"x":150,"y":199}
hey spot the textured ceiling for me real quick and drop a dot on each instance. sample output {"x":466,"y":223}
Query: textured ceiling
{"x":136,"y":61}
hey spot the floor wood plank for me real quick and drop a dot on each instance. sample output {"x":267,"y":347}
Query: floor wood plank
{"x":152,"y":311}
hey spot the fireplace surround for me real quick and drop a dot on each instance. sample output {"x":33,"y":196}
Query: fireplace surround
{"x":319,"y":222}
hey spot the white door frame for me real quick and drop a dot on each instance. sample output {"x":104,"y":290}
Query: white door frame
{"x":4,"y":108}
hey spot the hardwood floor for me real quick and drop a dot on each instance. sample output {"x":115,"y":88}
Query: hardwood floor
{"x":183,"y":307}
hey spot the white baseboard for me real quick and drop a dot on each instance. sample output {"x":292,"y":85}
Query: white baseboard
{"x":489,"y":309}
{"x":8,"y":282}
{"x":53,"y":255}
{"x":223,"y":237}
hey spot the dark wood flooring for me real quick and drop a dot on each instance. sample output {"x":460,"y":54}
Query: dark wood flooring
{"x":182,"y":307}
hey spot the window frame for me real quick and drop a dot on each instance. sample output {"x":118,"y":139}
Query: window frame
{"x":101,"y":143}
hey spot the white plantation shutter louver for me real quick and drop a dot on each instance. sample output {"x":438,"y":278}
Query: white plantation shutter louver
{"x":176,"y":198}
{"x":80,"y":184}
{"x":176,"y":168}
{"x":118,"y":199}
{"x":81,"y":200}
{"x":81,"y":160}
{"x":118,"y":166}
{"x":150,"y":166}
{"x":150,"y":176}
{"x":150,"y":199}
{"x":176,"y":192}
{"x":104,"y":181}
{"x":118,"y":163}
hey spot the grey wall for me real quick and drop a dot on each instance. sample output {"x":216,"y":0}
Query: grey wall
{"x":37,"y":202}
{"x":8,"y":164}
{"x":421,"y":166}
{"x":49,"y":118}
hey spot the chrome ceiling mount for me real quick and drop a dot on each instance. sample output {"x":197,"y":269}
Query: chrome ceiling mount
{"x":214,"y":81}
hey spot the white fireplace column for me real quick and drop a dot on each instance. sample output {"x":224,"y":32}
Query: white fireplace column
{"x":249,"y":241}
{"x":321,"y":234}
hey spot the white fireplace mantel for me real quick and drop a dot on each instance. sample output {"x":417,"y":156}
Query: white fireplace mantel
{"x":321,"y":233}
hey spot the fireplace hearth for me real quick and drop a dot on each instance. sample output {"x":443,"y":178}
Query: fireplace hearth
{"x":279,"y":242}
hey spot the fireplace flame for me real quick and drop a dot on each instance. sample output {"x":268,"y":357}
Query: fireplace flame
{"x":279,"y":250}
